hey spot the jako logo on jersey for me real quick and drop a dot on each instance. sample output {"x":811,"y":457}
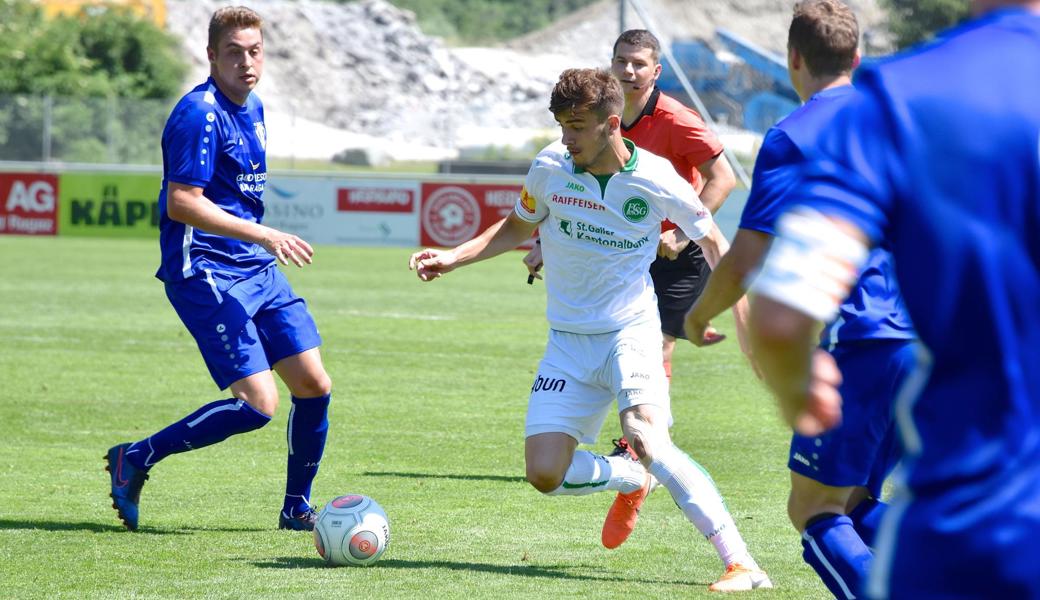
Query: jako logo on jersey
{"x":547,"y":384}
{"x":38,"y":196}
{"x":527,"y":201}
{"x":575,"y":186}
{"x":635,"y":209}
{"x":565,"y":227}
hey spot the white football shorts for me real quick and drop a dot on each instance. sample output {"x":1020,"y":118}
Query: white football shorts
{"x":581,"y":375}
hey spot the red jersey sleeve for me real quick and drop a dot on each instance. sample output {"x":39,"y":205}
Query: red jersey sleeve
{"x":692,"y":139}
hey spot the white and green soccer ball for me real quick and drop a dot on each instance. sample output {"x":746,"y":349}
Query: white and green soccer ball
{"x":351,"y":530}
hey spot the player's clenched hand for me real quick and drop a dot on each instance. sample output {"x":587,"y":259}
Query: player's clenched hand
{"x":430,"y":264}
{"x":533,"y":262}
{"x":287,"y":247}
{"x":672,"y":243}
{"x":822,"y":408}
{"x":701,"y":334}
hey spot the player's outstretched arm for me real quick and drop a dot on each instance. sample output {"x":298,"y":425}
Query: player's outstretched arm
{"x":504,"y":235}
{"x":813,"y":263}
{"x":186,"y":204}
{"x":725,"y":286}
{"x":805,"y":381}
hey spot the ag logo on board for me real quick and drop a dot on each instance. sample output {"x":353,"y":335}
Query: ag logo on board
{"x":635,"y":209}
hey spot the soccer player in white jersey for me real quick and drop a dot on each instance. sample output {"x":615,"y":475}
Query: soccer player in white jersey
{"x":599,"y":203}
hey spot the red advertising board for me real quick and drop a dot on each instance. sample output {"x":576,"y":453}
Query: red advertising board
{"x":28,"y":204}
{"x":455,"y":212}
{"x":375,"y":199}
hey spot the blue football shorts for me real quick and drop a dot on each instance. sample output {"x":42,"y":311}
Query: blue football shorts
{"x":243,"y":326}
{"x":972,"y":538}
{"x":864,"y":448}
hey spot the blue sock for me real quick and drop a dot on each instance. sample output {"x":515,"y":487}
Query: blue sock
{"x":212,"y":423}
{"x":308,"y":427}
{"x":866,"y":518}
{"x":835,"y":551}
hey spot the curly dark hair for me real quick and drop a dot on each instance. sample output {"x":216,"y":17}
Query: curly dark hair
{"x":593,"y":89}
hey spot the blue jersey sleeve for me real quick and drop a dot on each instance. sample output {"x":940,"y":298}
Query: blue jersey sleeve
{"x":859,"y":173}
{"x":777,"y":170}
{"x":191,"y":144}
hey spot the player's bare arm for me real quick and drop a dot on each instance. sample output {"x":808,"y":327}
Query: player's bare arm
{"x":805,"y":383}
{"x":503,"y":236}
{"x":714,"y":245}
{"x":188,"y":205}
{"x":725,"y":286}
{"x":808,"y":272}
{"x":719,"y":181}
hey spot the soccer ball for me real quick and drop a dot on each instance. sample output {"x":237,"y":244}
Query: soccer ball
{"x":351,"y":530}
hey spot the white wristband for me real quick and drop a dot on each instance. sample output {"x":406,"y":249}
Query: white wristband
{"x":812,"y":264}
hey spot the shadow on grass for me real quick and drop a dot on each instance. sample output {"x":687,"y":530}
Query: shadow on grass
{"x":544,"y":571}
{"x":28,"y":525}
{"x":510,"y":479}
{"x":10,"y":524}
{"x":226,"y":529}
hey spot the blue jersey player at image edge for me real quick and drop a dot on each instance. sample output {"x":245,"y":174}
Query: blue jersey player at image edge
{"x":938,"y":156}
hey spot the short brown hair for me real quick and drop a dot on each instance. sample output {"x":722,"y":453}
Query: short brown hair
{"x":231,"y":18}
{"x":592,"y":89}
{"x":640,"y":38}
{"x":826,"y":34}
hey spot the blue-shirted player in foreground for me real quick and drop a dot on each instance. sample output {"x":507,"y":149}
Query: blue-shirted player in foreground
{"x":938,"y":155}
{"x":218,"y":264}
{"x":836,"y":477}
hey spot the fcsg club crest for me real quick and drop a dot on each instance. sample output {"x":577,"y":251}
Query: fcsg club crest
{"x":261,"y":133}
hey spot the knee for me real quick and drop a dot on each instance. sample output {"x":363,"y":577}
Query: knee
{"x":795,"y":513}
{"x":647,"y":441}
{"x":314,"y":386}
{"x":265,"y":403}
{"x":803,"y":508}
{"x":641,"y":446}
{"x":543,"y":480}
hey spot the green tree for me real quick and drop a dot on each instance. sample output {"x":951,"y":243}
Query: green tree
{"x":103,"y":80}
{"x":913,"y":21}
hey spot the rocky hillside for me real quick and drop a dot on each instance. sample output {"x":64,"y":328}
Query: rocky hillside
{"x":763,"y":22}
{"x":364,"y":75}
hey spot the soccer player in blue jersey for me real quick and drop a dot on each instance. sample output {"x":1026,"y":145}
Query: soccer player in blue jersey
{"x":836,"y":477}
{"x":937,"y":155}
{"x":218,"y":265}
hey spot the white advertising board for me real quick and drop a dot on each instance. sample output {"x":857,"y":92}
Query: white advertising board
{"x":342,"y":210}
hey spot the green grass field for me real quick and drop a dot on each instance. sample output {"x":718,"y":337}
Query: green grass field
{"x":430,"y":389}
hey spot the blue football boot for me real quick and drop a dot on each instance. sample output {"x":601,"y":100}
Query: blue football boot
{"x":127,"y":481}
{"x":302,"y":522}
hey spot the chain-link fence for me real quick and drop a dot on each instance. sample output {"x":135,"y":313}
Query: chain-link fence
{"x":92,"y":130}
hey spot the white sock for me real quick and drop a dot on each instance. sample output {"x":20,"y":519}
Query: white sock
{"x":590,"y":473}
{"x":696,"y":495}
